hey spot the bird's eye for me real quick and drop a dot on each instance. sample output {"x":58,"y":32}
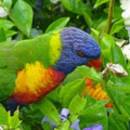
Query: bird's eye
{"x":80,"y":53}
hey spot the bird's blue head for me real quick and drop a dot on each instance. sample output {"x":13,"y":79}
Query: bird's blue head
{"x":78,"y":48}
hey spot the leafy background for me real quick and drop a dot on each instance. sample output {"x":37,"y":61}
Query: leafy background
{"x":27,"y":19}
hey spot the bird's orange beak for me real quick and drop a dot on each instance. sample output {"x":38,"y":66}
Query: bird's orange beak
{"x":96,"y":63}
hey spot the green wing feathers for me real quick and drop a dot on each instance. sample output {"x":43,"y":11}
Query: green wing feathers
{"x":15,"y":55}
{"x":7,"y":83}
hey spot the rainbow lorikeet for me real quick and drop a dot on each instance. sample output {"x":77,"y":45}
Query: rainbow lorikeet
{"x":29,"y":69}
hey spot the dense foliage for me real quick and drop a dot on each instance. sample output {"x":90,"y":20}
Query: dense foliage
{"x":25,"y":19}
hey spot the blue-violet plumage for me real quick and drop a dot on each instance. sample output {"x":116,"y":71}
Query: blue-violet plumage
{"x":78,"y":48}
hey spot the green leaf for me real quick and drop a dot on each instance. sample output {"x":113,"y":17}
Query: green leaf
{"x":2,"y":35}
{"x":7,"y":4}
{"x":117,"y":56}
{"x":87,"y":18}
{"x":95,"y":33}
{"x":14,"y":120}
{"x":10,"y":33}
{"x":30,"y":116}
{"x":25,"y":126}
{"x":78,"y":7}
{"x":117,"y":26}
{"x":58,"y":24}
{"x":73,"y":5}
{"x":117,"y":11}
{"x":100,"y":2}
{"x":22,"y":16}
{"x":49,"y":110}
{"x":8,"y":121}
{"x":46,"y":126}
{"x":107,"y":42}
{"x":94,"y":114}
{"x":115,"y":123}
{"x":6,"y":24}
{"x":121,"y":82}
{"x":69,"y":90}
{"x":101,"y":25}
{"x":64,"y":126}
{"x":118,"y":98}
{"x":83,"y":72}
{"x":77,"y":105}
{"x":32,"y":2}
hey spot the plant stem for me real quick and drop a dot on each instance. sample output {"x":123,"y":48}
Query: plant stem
{"x":110,"y":14}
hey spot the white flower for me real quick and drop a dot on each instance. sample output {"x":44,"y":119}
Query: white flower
{"x":126,"y":16}
{"x":1,"y":128}
{"x":115,"y":69}
{"x":125,"y":4}
{"x":3,"y":12}
{"x":54,"y":1}
{"x":126,"y":51}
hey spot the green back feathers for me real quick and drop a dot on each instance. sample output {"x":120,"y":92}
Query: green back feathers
{"x":7,"y":83}
{"x":15,"y":55}
{"x":45,"y":48}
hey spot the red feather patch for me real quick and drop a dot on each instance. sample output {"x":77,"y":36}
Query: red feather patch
{"x":34,"y":82}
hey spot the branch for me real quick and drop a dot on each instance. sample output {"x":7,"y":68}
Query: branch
{"x":110,"y":14}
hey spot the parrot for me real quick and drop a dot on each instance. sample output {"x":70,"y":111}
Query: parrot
{"x":31,"y":68}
